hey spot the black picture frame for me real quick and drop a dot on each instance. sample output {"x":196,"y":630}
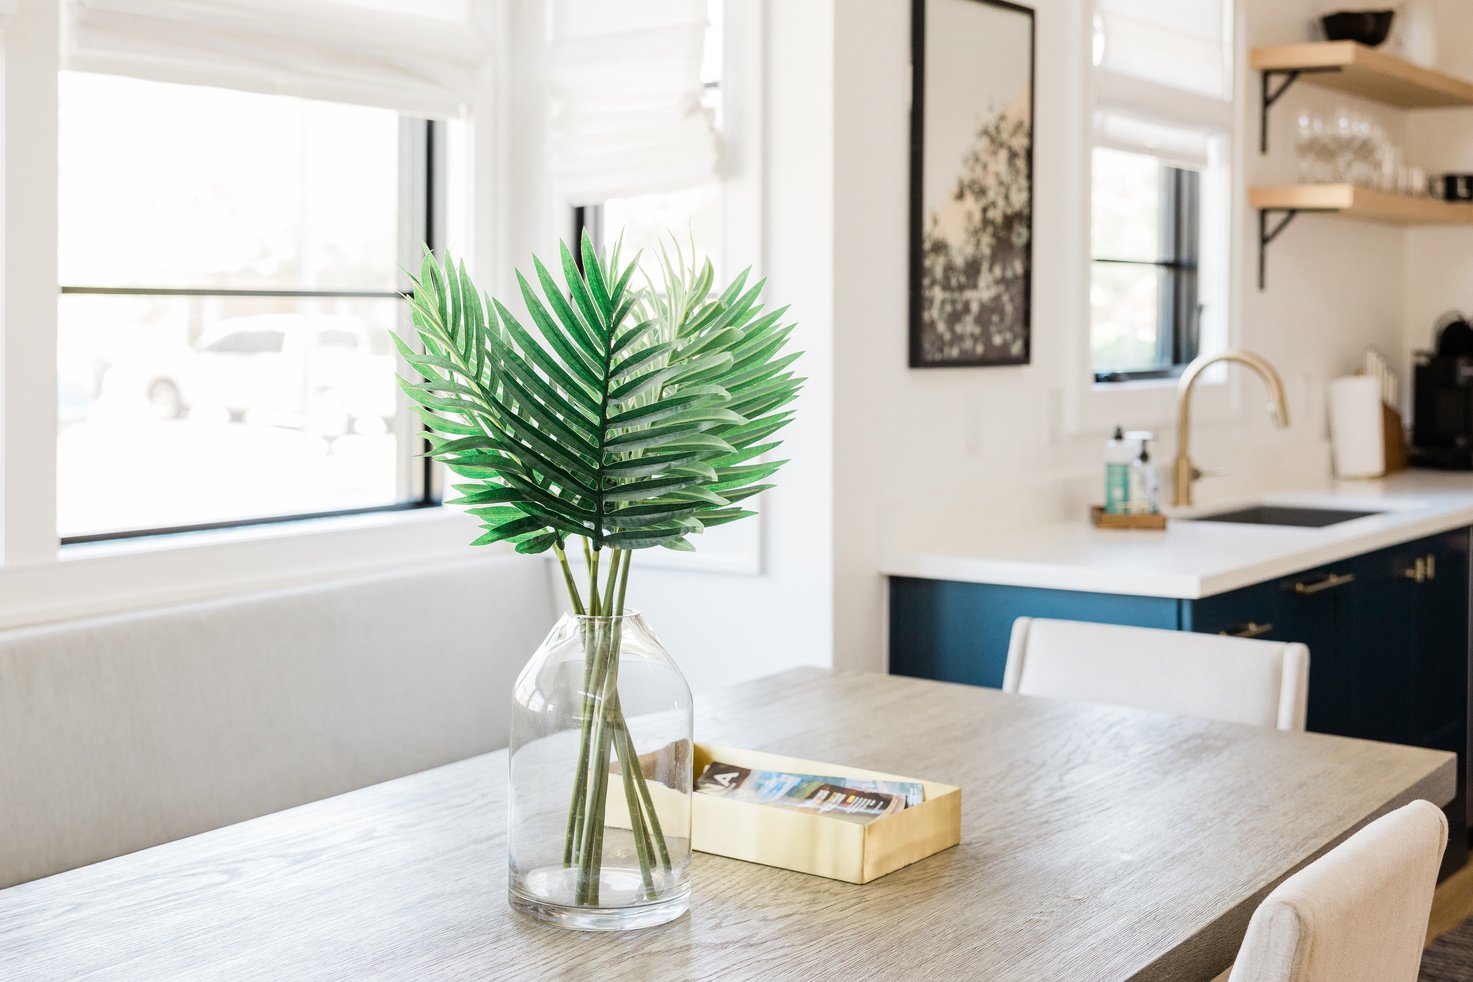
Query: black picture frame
{"x":1006,"y":336}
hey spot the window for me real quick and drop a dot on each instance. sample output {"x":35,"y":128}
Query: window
{"x":1160,"y":212}
{"x":229,"y":266}
{"x":1143,"y":278}
{"x":644,"y":221}
{"x":1179,"y":44}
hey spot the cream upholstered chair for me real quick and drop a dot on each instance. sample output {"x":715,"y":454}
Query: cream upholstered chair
{"x":1356,"y":914}
{"x":1264,"y":683}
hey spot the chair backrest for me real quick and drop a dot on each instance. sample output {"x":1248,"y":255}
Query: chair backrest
{"x":1356,"y":914}
{"x":122,"y":732}
{"x":1237,"y":680}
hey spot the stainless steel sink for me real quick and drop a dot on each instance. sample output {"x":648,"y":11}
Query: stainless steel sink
{"x":1285,"y":515}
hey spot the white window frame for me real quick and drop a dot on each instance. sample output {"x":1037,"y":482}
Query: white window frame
{"x":1094,"y":407}
{"x":740,"y":173}
{"x":40,"y":582}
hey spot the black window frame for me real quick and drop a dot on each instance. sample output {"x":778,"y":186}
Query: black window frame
{"x":1179,"y":310}
{"x":427,"y":179}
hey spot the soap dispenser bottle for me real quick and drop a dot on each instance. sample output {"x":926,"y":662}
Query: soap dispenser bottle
{"x":1118,"y":457}
{"x":1145,"y":479}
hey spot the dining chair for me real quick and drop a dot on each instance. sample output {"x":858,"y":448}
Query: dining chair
{"x":1237,"y":680}
{"x":1356,"y":914}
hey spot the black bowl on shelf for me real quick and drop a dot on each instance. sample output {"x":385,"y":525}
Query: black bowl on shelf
{"x":1368,"y":27}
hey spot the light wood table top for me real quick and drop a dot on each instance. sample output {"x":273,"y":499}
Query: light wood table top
{"x":1097,"y":843}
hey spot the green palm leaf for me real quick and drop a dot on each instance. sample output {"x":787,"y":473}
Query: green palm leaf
{"x":634,"y":416}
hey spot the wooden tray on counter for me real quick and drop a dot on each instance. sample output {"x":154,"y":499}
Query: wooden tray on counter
{"x":1104,"y":520}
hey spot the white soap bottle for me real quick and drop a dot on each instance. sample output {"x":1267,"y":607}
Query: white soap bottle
{"x":1118,"y":456}
{"x":1145,"y":481}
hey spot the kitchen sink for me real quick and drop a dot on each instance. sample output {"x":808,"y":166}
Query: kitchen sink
{"x":1285,"y":515}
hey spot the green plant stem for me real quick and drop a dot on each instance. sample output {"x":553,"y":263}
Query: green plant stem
{"x":614,"y":564}
{"x":605,"y":734}
{"x":595,"y":775}
{"x":656,"y":833}
{"x":580,"y":780}
{"x":623,"y":578}
{"x":626,"y":741}
{"x":568,"y":580}
{"x":607,"y":672}
{"x":628,"y":767}
{"x":593,"y":607}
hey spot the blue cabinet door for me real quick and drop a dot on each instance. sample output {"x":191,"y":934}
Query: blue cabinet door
{"x":1314,"y":607}
{"x":1388,"y":638}
{"x":1388,"y":648}
{"x":958,"y":632}
{"x":1440,"y":648}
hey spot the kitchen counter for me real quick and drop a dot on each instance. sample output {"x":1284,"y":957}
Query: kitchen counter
{"x":1192,"y":559}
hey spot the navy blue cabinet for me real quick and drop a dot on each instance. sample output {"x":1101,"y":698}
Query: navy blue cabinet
{"x":958,"y":632}
{"x":1388,"y":635}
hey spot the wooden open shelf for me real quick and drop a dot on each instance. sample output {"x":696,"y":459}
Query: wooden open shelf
{"x":1354,"y":202}
{"x":1346,"y":66}
{"x":1349,"y":201}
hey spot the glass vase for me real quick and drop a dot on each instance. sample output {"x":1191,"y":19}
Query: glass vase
{"x":600,"y":790}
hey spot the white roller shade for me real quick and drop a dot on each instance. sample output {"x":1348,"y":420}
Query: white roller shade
{"x":1181,"y":44}
{"x":1193,"y":148}
{"x":419,"y":61}
{"x":624,"y":78}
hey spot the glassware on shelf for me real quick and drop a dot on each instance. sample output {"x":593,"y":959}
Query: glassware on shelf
{"x":1349,"y":147}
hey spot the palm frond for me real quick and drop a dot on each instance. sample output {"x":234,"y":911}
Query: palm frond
{"x":632,"y":416}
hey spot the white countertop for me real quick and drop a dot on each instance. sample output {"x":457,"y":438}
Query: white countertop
{"x":1198,"y":559}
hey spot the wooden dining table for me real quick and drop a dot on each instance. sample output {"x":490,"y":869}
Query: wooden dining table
{"x":1097,"y":843}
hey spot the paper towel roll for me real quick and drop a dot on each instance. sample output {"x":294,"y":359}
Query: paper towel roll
{"x":1357,"y":446}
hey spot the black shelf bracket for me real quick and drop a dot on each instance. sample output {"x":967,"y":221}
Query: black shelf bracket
{"x":1273,"y":84}
{"x":1267,"y":233}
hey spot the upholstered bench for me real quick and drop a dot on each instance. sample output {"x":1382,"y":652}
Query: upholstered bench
{"x":122,"y":732}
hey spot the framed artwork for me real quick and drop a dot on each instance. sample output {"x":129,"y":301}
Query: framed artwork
{"x":971,"y":183}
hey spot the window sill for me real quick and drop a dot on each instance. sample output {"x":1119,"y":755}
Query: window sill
{"x":1135,"y":385}
{"x":96,"y":578}
{"x":428,"y":519}
{"x":89,"y":579}
{"x":1145,"y":404}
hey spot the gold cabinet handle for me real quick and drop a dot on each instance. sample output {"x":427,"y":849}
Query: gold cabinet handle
{"x":1417,"y":572}
{"x":1252,"y":629}
{"x":1329,"y":582}
{"x":1431,"y":566}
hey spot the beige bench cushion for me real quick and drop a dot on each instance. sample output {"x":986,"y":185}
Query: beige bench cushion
{"x":122,"y":732}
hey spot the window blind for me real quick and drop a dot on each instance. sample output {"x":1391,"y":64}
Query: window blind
{"x":1181,"y":44}
{"x":624,"y":81}
{"x":1192,"y":148}
{"x":425,"y":61}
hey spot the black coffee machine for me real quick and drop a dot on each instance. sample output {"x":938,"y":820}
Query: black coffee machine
{"x":1442,"y":394}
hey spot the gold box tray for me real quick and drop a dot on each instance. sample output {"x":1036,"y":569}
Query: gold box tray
{"x":820,"y":844}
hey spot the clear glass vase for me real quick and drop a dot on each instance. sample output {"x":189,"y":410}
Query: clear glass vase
{"x":600,"y":794}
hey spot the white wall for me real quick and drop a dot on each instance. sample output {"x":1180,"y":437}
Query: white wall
{"x":907,"y":436}
{"x":884,"y":456}
{"x":1439,"y":261}
{"x":722,"y":628}
{"x":926,"y":452}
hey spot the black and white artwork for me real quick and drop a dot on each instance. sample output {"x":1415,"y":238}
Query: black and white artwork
{"x":971,"y":183}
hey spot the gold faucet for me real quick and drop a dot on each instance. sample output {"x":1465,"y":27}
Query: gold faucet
{"x":1278,"y":410}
